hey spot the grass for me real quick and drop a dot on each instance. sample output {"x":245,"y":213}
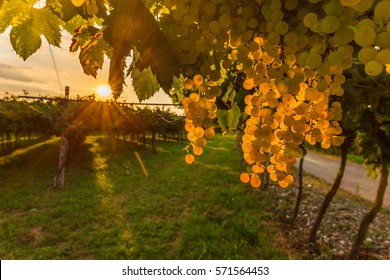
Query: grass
{"x":335,"y":151}
{"x":355,"y":158}
{"x":109,"y":209}
{"x":8,"y":146}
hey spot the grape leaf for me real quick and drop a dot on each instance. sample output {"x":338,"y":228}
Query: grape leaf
{"x":54,"y":5}
{"x":1,"y":3}
{"x":92,"y":54}
{"x":14,"y":13}
{"x":48,"y":25}
{"x":229,"y":119}
{"x":28,"y":26}
{"x":176,"y":90}
{"x":233,"y":116}
{"x":73,"y":24}
{"x":130,"y":24}
{"x":25,"y":39}
{"x":230,"y":94}
{"x":145,"y":83}
{"x":82,"y":37}
{"x":222,"y":119}
{"x":240,"y":95}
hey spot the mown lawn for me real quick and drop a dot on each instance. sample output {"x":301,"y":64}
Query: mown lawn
{"x":109,"y":208}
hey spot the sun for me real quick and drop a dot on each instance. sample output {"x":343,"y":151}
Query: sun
{"x":104,"y":91}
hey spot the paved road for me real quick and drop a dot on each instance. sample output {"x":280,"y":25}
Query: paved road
{"x":355,"y":180}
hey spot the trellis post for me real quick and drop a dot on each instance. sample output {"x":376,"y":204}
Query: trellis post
{"x":59,"y":180}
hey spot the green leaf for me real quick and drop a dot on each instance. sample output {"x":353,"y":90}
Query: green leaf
{"x":25,"y":39}
{"x":48,"y":25}
{"x":126,"y":26}
{"x":371,"y":170}
{"x":145,"y":83}
{"x":223,"y":72}
{"x":28,"y":25}
{"x":177,"y":82}
{"x":230,"y":94}
{"x":226,"y":97}
{"x":222,"y":119}
{"x":82,"y":37}
{"x":72,"y":25}
{"x":92,"y":54}
{"x":233,"y":116}
{"x":15,"y":13}
{"x":176,"y":90}
{"x":54,"y":5}
{"x":240,"y":95}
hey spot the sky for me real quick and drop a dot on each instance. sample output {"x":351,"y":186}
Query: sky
{"x":37,"y":74}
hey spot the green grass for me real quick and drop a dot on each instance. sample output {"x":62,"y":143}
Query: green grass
{"x":8,"y":146}
{"x":355,"y":158}
{"x":109,"y":209}
{"x":335,"y":151}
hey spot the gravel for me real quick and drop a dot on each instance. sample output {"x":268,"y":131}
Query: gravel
{"x":338,"y":228}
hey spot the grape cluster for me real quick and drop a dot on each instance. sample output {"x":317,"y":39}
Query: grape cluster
{"x":291,"y":95}
{"x":292,"y":55}
{"x":200,"y":111}
{"x":345,"y":27}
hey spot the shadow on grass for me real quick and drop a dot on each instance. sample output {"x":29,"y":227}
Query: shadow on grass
{"x":109,"y":208}
{"x":8,"y":147}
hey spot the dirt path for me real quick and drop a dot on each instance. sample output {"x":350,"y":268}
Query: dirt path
{"x":355,"y":180}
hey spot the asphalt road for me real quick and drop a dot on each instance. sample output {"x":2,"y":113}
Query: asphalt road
{"x":355,"y":180}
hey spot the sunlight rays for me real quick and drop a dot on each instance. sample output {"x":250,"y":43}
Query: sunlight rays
{"x":109,"y":202}
{"x":99,"y":164}
{"x":141,"y":163}
{"x":97,"y":116}
{"x":22,"y":151}
{"x":106,"y":117}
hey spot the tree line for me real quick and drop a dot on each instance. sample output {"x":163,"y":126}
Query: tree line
{"x":25,"y":122}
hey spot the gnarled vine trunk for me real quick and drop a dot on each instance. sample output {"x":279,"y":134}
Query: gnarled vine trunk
{"x":370,"y":216}
{"x":300,"y":187}
{"x":348,"y":142}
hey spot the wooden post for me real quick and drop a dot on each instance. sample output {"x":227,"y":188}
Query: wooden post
{"x":59,"y":180}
